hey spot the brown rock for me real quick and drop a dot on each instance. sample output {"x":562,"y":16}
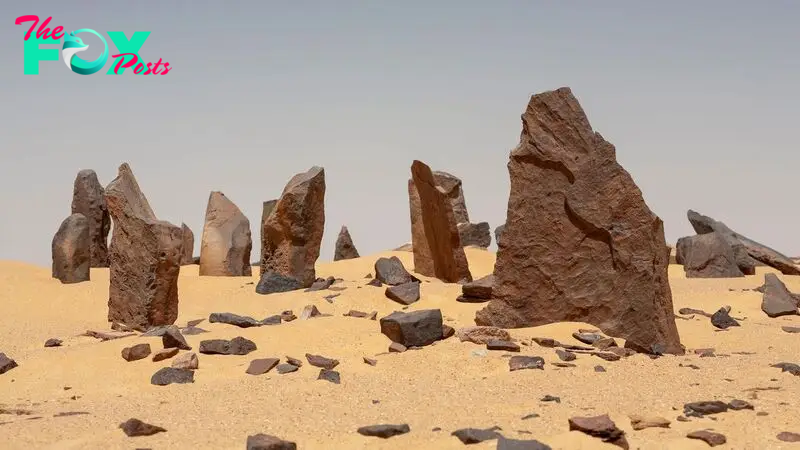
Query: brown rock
{"x":135,"y":428}
{"x":454,"y":192}
{"x":266,"y":210}
{"x":788,"y":436}
{"x":293,"y":230}
{"x":144,"y":261}
{"x":707,"y":256}
{"x":497,"y":344}
{"x":321,"y":361}
{"x":6,"y":363}
{"x":434,"y":235}
{"x":413,"y":329}
{"x":405,"y":294}
{"x":329,"y":375}
{"x":172,"y":338}
{"x":309,"y":312}
{"x":395,"y":347}
{"x":777,"y":300}
{"x":136,"y":352}
{"x":499,"y":232}
{"x":370,"y":361}
{"x":163,"y":354}
{"x":53,"y":342}
{"x":641,"y":422}
{"x":261,"y":366}
{"x":266,"y":442}
{"x":226,"y":244}
{"x":384,"y":431}
{"x":480,"y":288}
{"x":475,"y":234}
{"x":345,"y":249}
{"x":71,"y":250}
{"x":601,"y":427}
{"x":577,"y":235}
{"x":447,"y":331}
{"x":88,"y":199}
{"x":187,"y":250}
{"x":482,"y":335}
{"x":525,"y":362}
{"x":392,"y":272}
{"x":709,"y":437}
{"x":565,"y":355}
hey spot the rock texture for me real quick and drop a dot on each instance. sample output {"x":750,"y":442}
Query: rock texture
{"x":71,"y":248}
{"x":293,"y":230}
{"x":707,"y":256}
{"x":345,"y":249}
{"x":266,"y":210}
{"x":226,"y":244}
{"x":499,"y":232}
{"x":476,"y":234}
{"x":88,"y":199}
{"x":145,"y":255}
{"x":777,"y":300}
{"x":746,"y":250}
{"x":454,"y":191}
{"x":580,"y":244}
{"x":187,"y":250}
{"x":436,"y":244}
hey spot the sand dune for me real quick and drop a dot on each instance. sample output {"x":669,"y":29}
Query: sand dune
{"x":448,"y":385}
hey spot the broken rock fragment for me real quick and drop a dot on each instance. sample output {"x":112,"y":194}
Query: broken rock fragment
{"x":89,"y":200}
{"x":136,"y":352}
{"x":413,"y":329}
{"x":384,"y":431}
{"x":234,"y":319}
{"x":170,"y":375}
{"x":272,"y":282}
{"x":777,"y":300}
{"x":601,"y":427}
{"x":405,"y":294}
{"x":392,"y":272}
{"x":6,"y":363}
{"x":345,"y":249}
{"x":267,"y":442}
{"x":135,"y":428}
{"x":709,"y":437}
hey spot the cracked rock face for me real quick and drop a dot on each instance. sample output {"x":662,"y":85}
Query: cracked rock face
{"x":453,"y":190}
{"x":88,"y":199}
{"x":434,"y":235}
{"x":579,"y":243}
{"x":226,"y":244}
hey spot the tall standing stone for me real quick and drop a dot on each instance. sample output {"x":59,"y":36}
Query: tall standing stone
{"x":435,"y":240}
{"x":266,"y":210}
{"x":579,"y":244}
{"x":226,"y":244}
{"x":345,"y":249}
{"x":88,"y":199}
{"x":72,"y":250}
{"x":187,"y":250}
{"x":144,"y":258}
{"x":454,"y":190}
{"x":293,"y":230}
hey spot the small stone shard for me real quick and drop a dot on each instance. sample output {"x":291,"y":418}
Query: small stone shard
{"x":475,"y":435}
{"x":267,"y":442}
{"x":329,"y":375}
{"x":482,"y":335}
{"x":53,"y":342}
{"x":173,"y":338}
{"x":321,"y":361}
{"x":722,"y":319}
{"x":163,"y":354}
{"x":272,"y":283}
{"x":6,"y":363}
{"x":234,"y":319}
{"x":642,"y":422}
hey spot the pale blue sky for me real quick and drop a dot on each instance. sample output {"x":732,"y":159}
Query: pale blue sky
{"x":700,"y":99}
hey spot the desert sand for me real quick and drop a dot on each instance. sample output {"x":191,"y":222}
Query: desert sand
{"x":449,"y":385}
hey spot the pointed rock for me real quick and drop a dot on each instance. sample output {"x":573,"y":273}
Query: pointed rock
{"x":434,"y":234}
{"x":707,"y":256}
{"x":777,"y":300}
{"x":187,"y":250}
{"x":88,"y":199}
{"x":71,"y":250}
{"x":226,"y":244}
{"x":577,"y":235}
{"x":145,"y":256}
{"x":6,"y":363}
{"x":601,"y":427}
{"x":293,"y":230}
{"x":345,"y":249}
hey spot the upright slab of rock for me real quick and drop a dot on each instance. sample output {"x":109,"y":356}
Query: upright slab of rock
{"x":145,"y":257}
{"x":266,"y":210}
{"x":293,"y":230}
{"x":226,"y":245}
{"x":747,"y":251}
{"x":345,"y":249}
{"x":187,"y":251}
{"x":72,"y":250}
{"x":434,"y":235}
{"x":453,"y":189}
{"x":499,"y":232}
{"x":579,"y":244}
{"x":88,"y":199}
{"x":707,"y":256}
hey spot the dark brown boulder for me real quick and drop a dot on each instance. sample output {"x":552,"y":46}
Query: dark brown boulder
{"x":71,"y":248}
{"x":88,"y":199}
{"x":187,"y":250}
{"x":413,"y":329}
{"x":226,"y":244}
{"x":266,"y":210}
{"x":475,"y":234}
{"x":405,"y":294}
{"x":777,"y":300}
{"x":391,"y":271}
{"x":434,"y":235}
{"x":293,"y":230}
{"x":707,"y":256}
{"x":345,"y":249}
{"x":746,"y":250}
{"x":580,"y":243}
{"x":145,"y":256}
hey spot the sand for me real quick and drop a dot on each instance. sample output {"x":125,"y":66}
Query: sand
{"x":444,"y":385}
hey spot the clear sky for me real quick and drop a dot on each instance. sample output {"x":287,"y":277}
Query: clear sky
{"x":700,"y":99}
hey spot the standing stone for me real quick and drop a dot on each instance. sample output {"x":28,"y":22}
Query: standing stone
{"x":144,"y":258}
{"x":454,"y":191}
{"x":187,"y":250}
{"x":436,"y":244}
{"x":88,"y":199}
{"x":225,"y":248}
{"x":580,"y":244}
{"x":293,"y":230}
{"x":265,"y":212}
{"x":475,"y":234}
{"x":499,"y":232}
{"x":72,"y":250}
{"x":707,"y":256}
{"x":345,"y":249}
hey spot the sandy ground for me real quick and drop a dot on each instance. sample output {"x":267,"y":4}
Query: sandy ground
{"x":444,"y":385}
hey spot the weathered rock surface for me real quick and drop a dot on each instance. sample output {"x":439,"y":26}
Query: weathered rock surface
{"x":743,"y":247}
{"x":499,"y":232}
{"x":384,"y":431}
{"x":293,"y":230}
{"x":136,"y":352}
{"x":6,"y":363}
{"x":580,"y":244}
{"x":88,"y":199}
{"x":135,"y":428}
{"x":267,"y":442}
{"x":170,"y":375}
{"x":479,"y":289}
{"x":777,"y":300}
{"x":187,"y":361}
{"x":235,"y":346}
{"x":434,"y":235}
{"x":391,"y":271}
{"x":234,"y":319}
{"x":345,"y":249}
{"x":272,"y":282}
{"x":413,"y":329}
{"x":601,"y":427}
{"x":711,"y":438}
{"x":707,"y":256}
{"x":405,"y":294}
{"x":187,"y":251}
{"x":266,"y":210}
{"x":482,"y":334}
{"x":144,"y":259}
{"x":226,"y":243}
{"x":71,"y":250}
{"x":453,"y":190}
{"x":475,"y":234}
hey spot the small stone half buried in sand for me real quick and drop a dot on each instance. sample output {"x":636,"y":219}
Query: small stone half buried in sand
{"x":709,"y":437}
{"x":135,"y":428}
{"x":475,"y":435}
{"x":384,"y":431}
{"x":641,"y":422}
{"x":267,"y":442}
{"x":601,"y":427}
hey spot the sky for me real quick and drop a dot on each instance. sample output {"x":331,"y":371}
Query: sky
{"x":699,"y":98}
